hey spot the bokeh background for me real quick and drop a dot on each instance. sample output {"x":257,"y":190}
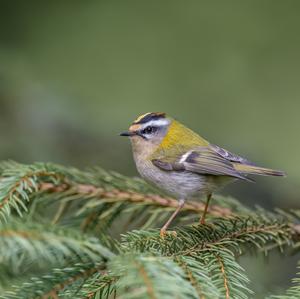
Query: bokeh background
{"x":73,"y":74}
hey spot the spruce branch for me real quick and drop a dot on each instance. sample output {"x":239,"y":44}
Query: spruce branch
{"x":17,"y":183}
{"x":99,"y":285}
{"x":20,"y":183}
{"x":28,"y":242}
{"x":117,"y":195}
{"x":227,"y":274}
{"x":225,"y":233}
{"x":293,"y":292}
{"x":83,"y":260}
{"x":50,"y":285}
{"x":150,"y":277}
{"x":199,"y":276}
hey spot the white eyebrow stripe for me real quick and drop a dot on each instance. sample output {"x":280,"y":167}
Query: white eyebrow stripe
{"x":157,"y":122}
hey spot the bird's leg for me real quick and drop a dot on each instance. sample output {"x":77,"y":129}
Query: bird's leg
{"x":165,"y":227}
{"x":202,"y":219}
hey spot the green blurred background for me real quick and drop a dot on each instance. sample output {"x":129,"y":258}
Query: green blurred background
{"x":73,"y":74}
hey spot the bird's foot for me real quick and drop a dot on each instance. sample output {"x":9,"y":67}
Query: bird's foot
{"x":202,"y":221}
{"x":163,"y":233}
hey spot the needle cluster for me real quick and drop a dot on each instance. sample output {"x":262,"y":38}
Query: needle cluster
{"x":66,"y":233}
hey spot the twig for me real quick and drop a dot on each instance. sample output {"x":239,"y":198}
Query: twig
{"x":224,"y":276}
{"x":118,"y":195}
{"x":53,"y":293}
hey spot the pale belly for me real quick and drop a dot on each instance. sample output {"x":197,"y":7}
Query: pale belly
{"x":181,"y":184}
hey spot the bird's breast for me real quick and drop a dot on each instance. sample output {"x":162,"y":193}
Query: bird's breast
{"x":180,"y":184}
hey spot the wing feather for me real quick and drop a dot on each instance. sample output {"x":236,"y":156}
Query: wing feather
{"x":202,"y":160}
{"x":230,"y":156}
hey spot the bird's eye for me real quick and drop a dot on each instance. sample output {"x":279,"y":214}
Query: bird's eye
{"x":148,"y":130}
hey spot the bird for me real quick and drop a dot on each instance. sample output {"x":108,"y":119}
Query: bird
{"x":184,"y":165}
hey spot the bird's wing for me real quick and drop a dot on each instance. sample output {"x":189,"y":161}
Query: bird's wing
{"x":206,"y":160}
{"x":244,"y":166}
{"x":230,"y":156}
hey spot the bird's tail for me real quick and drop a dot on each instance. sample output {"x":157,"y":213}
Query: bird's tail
{"x":251,"y":169}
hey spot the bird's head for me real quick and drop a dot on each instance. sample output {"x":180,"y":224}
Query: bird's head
{"x":148,"y":131}
{"x":156,"y":133}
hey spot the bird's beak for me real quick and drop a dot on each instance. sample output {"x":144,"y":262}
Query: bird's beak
{"x":127,"y":134}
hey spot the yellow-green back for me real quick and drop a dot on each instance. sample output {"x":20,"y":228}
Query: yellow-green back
{"x":177,"y":140}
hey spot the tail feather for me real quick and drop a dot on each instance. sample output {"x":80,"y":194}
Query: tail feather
{"x":251,"y":169}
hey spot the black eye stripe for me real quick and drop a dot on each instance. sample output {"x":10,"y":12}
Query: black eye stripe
{"x":149,"y":130}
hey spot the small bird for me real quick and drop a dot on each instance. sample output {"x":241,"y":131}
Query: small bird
{"x":178,"y":161}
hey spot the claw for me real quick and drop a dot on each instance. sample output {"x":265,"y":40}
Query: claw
{"x":163,"y":233}
{"x":173,"y":233}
